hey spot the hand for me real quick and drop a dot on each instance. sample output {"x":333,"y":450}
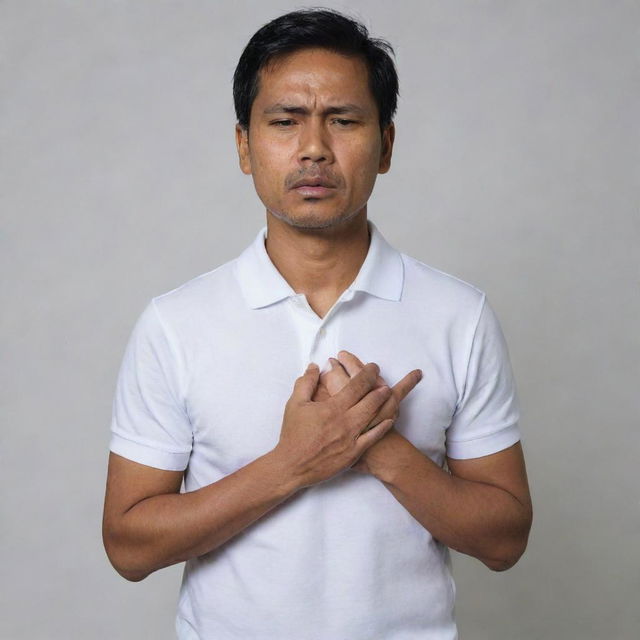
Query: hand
{"x":341,"y":372}
{"x":318,"y":439}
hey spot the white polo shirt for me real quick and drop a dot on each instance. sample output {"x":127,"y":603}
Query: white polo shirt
{"x":203,"y":385}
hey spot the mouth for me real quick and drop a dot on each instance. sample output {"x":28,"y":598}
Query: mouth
{"x":313,"y":187}
{"x":309,"y":191}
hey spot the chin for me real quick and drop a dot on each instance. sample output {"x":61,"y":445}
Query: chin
{"x":313,"y":220}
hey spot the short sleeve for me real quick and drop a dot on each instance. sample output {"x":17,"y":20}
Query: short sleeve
{"x":149,"y":423}
{"x":486,"y":417}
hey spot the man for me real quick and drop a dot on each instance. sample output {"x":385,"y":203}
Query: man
{"x":314,"y":505}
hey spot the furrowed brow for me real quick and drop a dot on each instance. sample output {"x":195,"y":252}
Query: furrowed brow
{"x":295,"y":109}
{"x":285,"y":108}
{"x":345,"y":108}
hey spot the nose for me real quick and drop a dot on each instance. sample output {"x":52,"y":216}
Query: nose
{"x":314,"y":143}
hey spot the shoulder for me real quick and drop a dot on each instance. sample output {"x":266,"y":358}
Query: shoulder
{"x":202,"y":295}
{"x":427,"y":286}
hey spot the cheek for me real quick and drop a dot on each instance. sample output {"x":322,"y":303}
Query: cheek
{"x":269,"y":163}
{"x":365,"y":159}
{"x":263,"y":171}
{"x":366,"y":170}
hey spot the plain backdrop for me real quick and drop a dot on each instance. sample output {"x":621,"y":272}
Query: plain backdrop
{"x":516,"y":168}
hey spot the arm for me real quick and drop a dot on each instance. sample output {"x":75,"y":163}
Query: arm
{"x":481,"y":508}
{"x":148,"y":524}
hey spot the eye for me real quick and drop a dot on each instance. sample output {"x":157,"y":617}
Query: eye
{"x":344,"y":122}
{"x":282,"y":123}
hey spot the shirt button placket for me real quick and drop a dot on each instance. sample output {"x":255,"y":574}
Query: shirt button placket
{"x":307,"y":323}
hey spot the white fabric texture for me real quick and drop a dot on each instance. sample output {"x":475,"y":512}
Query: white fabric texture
{"x":203,"y":385}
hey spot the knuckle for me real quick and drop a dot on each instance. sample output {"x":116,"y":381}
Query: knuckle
{"x":385,"y":393}
{"x":374,"y":369}
{"x":353,"y":426}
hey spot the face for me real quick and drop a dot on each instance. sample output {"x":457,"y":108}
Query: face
{"x":314,"y":145}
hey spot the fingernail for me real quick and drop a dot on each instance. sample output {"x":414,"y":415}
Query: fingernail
{"x":311,"y":366}
{"x":419,"y":375}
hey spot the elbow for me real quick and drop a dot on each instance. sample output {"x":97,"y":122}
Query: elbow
{"x":130,"y":573}
{"x":126,"y":569}
{"x":511,"y":551}
{"x":505,"y":560}
{"x":501,"y":564}
{"x":132,"y":577}
{"x":122,"y":561}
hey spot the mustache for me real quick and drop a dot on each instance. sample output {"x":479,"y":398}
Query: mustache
{"x":325,"y":177}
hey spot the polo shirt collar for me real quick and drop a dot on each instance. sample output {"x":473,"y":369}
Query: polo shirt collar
{"x":381,"y":273}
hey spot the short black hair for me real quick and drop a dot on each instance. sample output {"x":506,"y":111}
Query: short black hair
{"x":311,"y":28}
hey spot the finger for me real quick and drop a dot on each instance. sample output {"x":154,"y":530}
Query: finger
{"x":352,"y":364}
{"x":372,"y":435}
{"x":336,"y":378}
{"x":336,"y":364}
{"x":357,"y":387}
{"x":363,"y":412}
{"x":321,"y":393}
{"x":402,"y":388}
{"x":388,"y":410}
{"x":306,"y":384}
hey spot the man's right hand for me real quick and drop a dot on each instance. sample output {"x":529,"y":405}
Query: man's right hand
{"x":320,"y":439}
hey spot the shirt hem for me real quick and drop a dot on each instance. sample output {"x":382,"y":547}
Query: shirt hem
{"x":144,"y":454}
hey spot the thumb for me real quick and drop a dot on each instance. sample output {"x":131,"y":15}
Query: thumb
{"x":306,"y":384}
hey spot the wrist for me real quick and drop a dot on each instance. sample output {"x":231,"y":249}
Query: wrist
{"x":390,"y":456}
{"x":286,"y":481}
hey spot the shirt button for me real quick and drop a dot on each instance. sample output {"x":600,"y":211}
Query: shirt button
{"x":322,"y":332}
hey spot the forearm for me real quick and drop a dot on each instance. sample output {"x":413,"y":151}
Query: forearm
{"x":477,"y":519}
{"x":166,"y":529}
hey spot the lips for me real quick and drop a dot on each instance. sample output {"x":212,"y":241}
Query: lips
{"x":314,"y":187}
{"x":313,"y":183}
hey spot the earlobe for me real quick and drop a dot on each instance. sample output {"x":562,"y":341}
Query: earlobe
{"x":242,"y":144}
{"x":388,"y":136}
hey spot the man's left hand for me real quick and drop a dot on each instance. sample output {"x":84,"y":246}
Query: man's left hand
{"x":342,"y":370}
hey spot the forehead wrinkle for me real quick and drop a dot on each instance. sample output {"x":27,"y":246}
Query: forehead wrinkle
{"x":310,"y":99}
{"x":307,"y":79}
{"x":331,"y":109}
{"x":290,"y":80}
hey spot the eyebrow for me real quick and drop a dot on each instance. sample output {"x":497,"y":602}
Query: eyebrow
{"x":281,"y":107}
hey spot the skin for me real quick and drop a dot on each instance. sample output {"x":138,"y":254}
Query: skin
{"x":148,"y":524}
{"x":314,"y":118}
{"x":481,"y":507}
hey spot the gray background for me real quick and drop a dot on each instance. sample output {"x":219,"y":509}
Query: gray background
{"x":516,"y":168}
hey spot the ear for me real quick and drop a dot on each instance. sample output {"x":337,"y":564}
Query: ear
{"x":388,"y":136}
{"x":242,"y":143}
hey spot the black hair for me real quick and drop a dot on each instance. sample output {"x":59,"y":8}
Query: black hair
{"x":310,"y":28}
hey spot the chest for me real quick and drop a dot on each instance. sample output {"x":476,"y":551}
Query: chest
{"x":243,"y":375}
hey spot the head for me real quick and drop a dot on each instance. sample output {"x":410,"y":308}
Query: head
{"x":321,"y":29}
{"x":315,"y":99}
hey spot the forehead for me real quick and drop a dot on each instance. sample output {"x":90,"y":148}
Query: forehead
{"x":317,"y":74}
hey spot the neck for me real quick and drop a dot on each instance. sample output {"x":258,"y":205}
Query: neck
{"x":321,"y":263}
